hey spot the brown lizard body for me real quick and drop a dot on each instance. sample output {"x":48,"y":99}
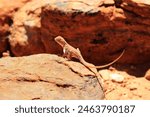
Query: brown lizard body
{"x":71,"y":52}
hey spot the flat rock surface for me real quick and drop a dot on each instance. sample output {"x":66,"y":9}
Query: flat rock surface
{"x":46,"y":76}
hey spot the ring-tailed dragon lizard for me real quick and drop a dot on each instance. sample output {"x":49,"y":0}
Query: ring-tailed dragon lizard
{"x":71,"y":52}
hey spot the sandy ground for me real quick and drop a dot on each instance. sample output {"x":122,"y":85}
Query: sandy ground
{"x":133,"y":86}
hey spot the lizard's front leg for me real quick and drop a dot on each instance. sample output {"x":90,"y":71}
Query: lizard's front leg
{"x":66,"y":54}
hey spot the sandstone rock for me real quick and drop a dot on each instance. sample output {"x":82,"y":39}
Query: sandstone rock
{"x":113,"y":75}
{"x":25,"y":31}
{"x":133,"y":86}
{"x":46,"y":76}
{"x":105,"y":74}
{"x":103,"y":28}
{"x":116,"y":77}
{"x":7,"y":9}
{"x":132,"y":89}
{"x":98,"y":24}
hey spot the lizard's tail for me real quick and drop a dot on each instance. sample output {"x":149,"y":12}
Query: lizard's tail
{"x":103,"y":66}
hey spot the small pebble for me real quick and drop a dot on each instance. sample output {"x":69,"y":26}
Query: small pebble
{"x":116,"y":77}
{"x":147,"y":75}
{"x":6,"y":54}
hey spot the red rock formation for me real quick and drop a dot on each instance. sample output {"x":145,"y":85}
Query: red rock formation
{"x":101,"y":29}
{"x":7,"y":9}
{"x":105,"y":30}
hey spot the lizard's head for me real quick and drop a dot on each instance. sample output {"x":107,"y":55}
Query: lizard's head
{"x":60,"y":40}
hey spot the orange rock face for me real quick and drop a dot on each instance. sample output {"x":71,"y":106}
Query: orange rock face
{"x":100,"y":29}
{"x":7,"y":10}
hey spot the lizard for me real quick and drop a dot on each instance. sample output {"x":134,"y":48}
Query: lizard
{"x":71,"y":52}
